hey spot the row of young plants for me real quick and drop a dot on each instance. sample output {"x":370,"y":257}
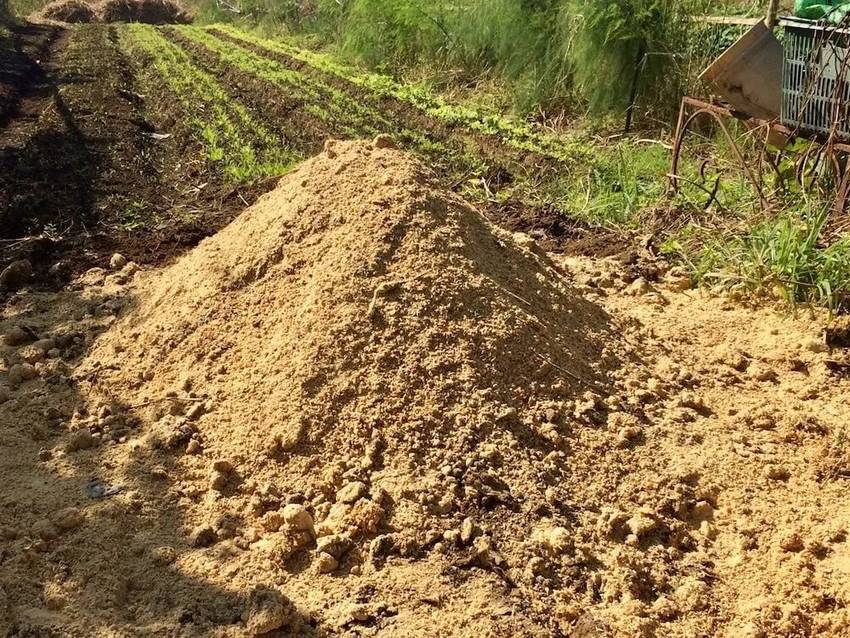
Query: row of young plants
{"x":513,"y":133}
{"x":338,"y":109}
{"x":233,"y":139}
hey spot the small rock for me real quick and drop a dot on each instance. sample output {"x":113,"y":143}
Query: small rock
{"x":15,"y":275}
{"x":218,"y":481}
{"x":268,"y":610}
{"x":21,"y":372}
{"x":80,"y":440}
{"x":641,"y":524}
{"x":68,"y":518}
{"x":468,"y":530}
{"x":336,"y":545}
{"x":272,"y":521}
{"x":60,"y":271}
{"x":451,"y":536}
{"x":130,"y":269}
{"x":707,"y":529}
{"x":45,"y":530}
{"x":31,"y":354}
{"x":5,"y":394}
{"x":638,"y":287}
{"x":196,"y":411}
{"x":118,"y":261}
{"x":792,"y":543}
{"x":777,"y":473}
{"x":163,"y":555}
{"x":762,"y":373}
{"x":703,"y":511}
{"x":628,"y":435}
{"x":351,"y":493}
{"x":45,"y":345}
{"x":325,"y":563}
{"x":383,"y":141}
{"x":817,"y":346}
{"x":555,"y":540}
{"x":17,"y":336}
{"x":203,"y":536}
{"x":297,"y":518}
{"x":194,"y":447}
{"x":225,"y":467}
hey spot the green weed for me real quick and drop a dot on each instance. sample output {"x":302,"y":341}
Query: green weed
{"x":783,"y":256}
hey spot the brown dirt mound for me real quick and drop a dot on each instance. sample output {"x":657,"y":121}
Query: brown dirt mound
{"x":363,"y":346}
{"x":361,"y":409}
{"x":147,"y":11}
{"x":70,"y":11}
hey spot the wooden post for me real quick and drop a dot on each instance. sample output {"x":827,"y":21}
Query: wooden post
{"x":772,"y":11}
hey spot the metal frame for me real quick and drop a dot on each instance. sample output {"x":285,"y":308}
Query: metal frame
{"x":691,"y":108}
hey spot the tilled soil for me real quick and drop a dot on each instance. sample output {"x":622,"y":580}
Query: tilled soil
{"x":80,"y":173}
{"x":19,"y":70}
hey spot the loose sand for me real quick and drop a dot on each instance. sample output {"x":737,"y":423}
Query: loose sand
{"x":362,"y":410}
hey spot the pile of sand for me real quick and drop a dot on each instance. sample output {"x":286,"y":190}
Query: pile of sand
{"x":70,"y":11}
{"x":147,"y":11}
{"x":361,"y":410}
{"x":361,"y":367}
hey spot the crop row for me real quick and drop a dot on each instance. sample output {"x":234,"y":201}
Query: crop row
{"x":515,"y":134}
{"x":337,"y":108}
{"x":232,"y":138}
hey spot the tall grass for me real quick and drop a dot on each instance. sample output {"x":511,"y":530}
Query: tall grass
{"x":625,"y":50}
{"x":567,"y":55}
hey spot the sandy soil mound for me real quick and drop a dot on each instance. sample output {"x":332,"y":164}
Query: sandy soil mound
{"x":147,"y":11}
{"x":69,"y":11}
{"x":360,"y":409}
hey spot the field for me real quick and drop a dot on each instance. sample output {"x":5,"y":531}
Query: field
{"x":310,"y":349}
{"x":238,"y":109}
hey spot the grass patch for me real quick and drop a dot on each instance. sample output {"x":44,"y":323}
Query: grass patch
{"x":232,"y":138}
{"x":782,"y":256}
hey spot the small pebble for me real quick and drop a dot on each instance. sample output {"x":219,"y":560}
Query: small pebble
{"x":351,"y":493}
{"x":297,"y":518}
{"x":203,"y":536}
{"x":117,"y":262}
{"x":325,"y":563}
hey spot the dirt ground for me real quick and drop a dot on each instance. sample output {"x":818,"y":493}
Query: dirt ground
{"x":363,"y":410}
{"x":81,"y":171}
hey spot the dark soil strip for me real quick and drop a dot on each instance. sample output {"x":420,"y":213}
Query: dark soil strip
{"x":20,"y":72}
{"x":81,"y":175}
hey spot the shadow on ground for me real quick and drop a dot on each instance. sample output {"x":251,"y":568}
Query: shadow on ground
{"x":125,"y":566}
